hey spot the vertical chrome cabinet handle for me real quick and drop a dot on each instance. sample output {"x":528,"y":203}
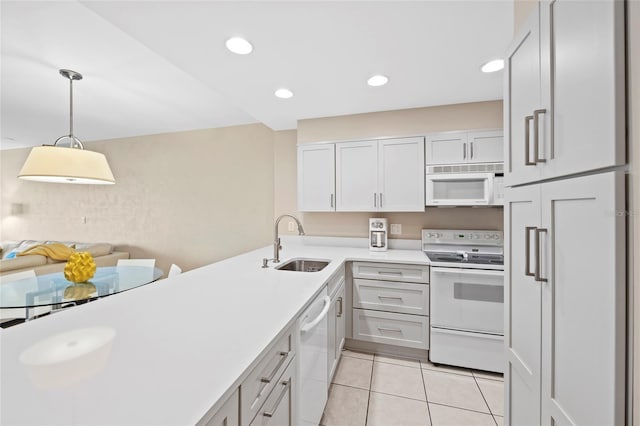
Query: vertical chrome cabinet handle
{"x":538,"y":262}
{"x":536,"y":136}
{"x":381,"y":199}
{"x":375,"y":200}
{"x":527,"y":120}
{"x":464,"y":151}
{"x":331,"y":200}
{"x":527,"y":250}
{"x":471,"y":149}
{"x":340,"y":305}
{"x":271,"y":412}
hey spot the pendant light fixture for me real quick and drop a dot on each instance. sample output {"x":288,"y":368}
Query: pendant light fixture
{"x":72,"y":164}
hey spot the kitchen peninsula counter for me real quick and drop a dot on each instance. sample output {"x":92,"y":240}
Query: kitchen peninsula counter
{"x":172,"y":351}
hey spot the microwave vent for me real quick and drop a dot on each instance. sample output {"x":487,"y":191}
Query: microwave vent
{"x":467,"y":168}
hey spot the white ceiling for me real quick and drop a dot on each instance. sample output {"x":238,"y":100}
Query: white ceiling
{"x":161,"y":66}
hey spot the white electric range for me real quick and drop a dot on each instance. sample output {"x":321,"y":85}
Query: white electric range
{"x":467,"y":297}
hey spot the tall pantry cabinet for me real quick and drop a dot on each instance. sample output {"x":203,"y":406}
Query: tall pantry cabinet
{"x":565,"y":283}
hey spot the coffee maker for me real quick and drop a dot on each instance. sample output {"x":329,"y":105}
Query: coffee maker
{"x":377,"y":234}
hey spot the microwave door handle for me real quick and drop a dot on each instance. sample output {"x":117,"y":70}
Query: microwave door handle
{"x":471,"y":149}
{"x":464,"y":151}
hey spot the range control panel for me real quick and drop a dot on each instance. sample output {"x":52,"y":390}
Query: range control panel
{"x":462,"y":236}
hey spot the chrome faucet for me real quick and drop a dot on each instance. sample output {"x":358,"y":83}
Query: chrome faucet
{"x":276,"y":240}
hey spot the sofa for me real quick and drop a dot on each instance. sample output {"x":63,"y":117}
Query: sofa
{"x":103,"y":254}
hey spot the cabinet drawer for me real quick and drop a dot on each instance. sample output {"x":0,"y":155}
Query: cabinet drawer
{"x":278,"y":409}
{"x":264,"y":376}
{"x":228,"y":414}
{"x":389,"y":296}
{"x":411,"y":331}
{"x":391,"y":272}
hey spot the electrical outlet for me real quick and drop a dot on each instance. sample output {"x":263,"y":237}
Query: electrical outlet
{"x":83,"y":220}
{"x":396,"y":229}
{"x":290,"y":227}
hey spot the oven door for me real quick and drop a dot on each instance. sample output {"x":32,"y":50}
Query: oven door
{"x":459,"y":189}
{"x":467,"y":299}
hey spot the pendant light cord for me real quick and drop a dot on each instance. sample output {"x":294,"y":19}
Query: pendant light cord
{"x":74,"y":141}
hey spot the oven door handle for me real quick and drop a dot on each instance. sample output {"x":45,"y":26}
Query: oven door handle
{"x":467,"y":333}
{"x":462,"y":271}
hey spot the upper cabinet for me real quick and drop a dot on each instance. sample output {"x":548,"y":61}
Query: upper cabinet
{"x":380,"y":175}
{"x":316,"y":177}
{"x":564,"y":91}
{"x":464,"y":147}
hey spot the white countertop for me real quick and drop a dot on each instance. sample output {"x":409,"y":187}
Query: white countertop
{"x":178,"y":345}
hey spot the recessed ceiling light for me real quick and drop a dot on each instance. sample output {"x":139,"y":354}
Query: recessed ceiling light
{"x":493,"y":66}
{"x":239,"y":45}
{"x":284,"y":93}
{"x":378,"y":80}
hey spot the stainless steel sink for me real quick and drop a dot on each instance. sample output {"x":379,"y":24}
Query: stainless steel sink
{"x":303,"y":265}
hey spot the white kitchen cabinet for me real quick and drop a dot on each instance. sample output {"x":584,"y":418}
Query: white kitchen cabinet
{"x":279,"y":408}
{"x":464,"y":147}
{"x":380,"y":175}
{"x":357,"y":176}
{"x":565,"y":301}
{"x":336,"y":332}
{"x":393,"y":307}
{"x":564,"y":92}
{"x":316,"y":177}
{"x":228,"y":414}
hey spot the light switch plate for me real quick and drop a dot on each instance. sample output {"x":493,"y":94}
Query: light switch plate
{"x":396,"y":229}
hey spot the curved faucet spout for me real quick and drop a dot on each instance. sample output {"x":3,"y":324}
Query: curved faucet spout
{"x":276,"y":238}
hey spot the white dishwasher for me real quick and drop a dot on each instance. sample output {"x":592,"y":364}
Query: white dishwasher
{"x":313,"y":367}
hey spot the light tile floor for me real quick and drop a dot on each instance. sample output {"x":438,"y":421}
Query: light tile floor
{"x":375,"y":390}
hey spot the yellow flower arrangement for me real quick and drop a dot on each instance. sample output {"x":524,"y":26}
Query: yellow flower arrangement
{"x":80,"y":267}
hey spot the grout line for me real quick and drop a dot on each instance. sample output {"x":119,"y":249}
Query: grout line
{"x":461,"y":408}
{"x":399,"y":365}
{"x":366,"y":417}
{"x":484,"y":399}
{"x":440,"y":370}
{"x":424,"y":385}
{"x":349,"y":386}
{"x":399,"y":396}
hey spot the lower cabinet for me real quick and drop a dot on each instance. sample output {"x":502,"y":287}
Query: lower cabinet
{"x":391,"y":304}
{"x":336,"y":330}
{"x":229,"y":414}
{"x":279,"y":407}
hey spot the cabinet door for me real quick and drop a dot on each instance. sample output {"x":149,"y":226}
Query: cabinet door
{"x":316,"y":177}
{"x":583,"y":306}
{"x":522,"y":302}
{"x":401,"y":175}
{"x":341,"y":317}
{"x":279,"y":408}
{"x":228,"y":414}
{"x":486,"y":147}
{"x":446,"y":148}
{"x":357,"y":176}
{"x":583,"y":84}
{"x":522,"y":98}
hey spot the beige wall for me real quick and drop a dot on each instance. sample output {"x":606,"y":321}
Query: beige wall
{"x":409,"y":122}
{"x":285,"y":177}
{"x":188,"y":198}
{"x":521,"y":10}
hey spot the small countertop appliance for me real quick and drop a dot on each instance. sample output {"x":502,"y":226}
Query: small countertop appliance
{"x":378,"y":234}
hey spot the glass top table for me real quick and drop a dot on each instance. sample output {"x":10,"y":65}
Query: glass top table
{"x":54,"y":290}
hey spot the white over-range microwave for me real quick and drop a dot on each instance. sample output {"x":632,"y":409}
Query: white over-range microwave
{"x":464,"y":185}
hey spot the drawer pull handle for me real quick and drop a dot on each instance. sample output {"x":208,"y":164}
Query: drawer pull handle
{"x":380,"y":296}
{"x":390,"y":273}
{"x":283,"y":356}
{"x":395,"y":330}
{"x":340,"y":304}
{"x":271,"y":412}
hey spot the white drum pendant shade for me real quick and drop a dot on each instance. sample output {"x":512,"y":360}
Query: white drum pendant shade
{"x":66,"y":165}
{"x":53,"y":163}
